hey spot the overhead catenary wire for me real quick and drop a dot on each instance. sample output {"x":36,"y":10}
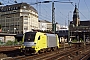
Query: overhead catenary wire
{"x":4,"y":2}
{"x":38,"y":6}
{"x":58,"y":15}
{"x":78,"y":3}
{"x":46,"y":15}
{"x":65,"y":17}
{"x":9,"y":1}
{"x":61,"y":14}
{"x":79,"y":11}
{"x":49,"y":9}
{"x":87,"y":6}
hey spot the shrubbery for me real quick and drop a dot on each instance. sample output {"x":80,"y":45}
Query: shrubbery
{"x":20,"y":42}
{"x":75,"y":40}
{"x":1,"y":42}
{"x":81,"y":40}
{"x":15,"y":42}
{"x":10,"y":43}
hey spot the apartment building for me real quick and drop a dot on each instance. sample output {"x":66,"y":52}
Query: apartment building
{"x":46,"y":25}
{"x":18,"y":18}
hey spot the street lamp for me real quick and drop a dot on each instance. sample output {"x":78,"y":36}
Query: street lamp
{"x":53,"y":13}
{"x":68,"y":27}
{"x":84,"y":38}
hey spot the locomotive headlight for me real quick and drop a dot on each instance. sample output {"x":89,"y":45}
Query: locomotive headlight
{"x":33,"y":46}
{"x":22,"y":46}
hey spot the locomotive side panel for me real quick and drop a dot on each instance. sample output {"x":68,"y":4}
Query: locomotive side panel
{"x":51,"y":40}
{"x":40,"y":41}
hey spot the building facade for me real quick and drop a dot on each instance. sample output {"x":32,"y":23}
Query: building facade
{"x":18,"y":18}
{"x":46,"y":25}
{"x":42,"y":25}
{"x":79,"y":30}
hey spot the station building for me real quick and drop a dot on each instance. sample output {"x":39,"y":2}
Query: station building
{"x":79,"y":30}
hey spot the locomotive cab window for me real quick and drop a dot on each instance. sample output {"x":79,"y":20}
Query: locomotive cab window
{"x":29,"y":37}
{"x":39,"y":38}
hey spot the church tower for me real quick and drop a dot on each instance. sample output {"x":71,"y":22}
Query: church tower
{"x":76,"y":19}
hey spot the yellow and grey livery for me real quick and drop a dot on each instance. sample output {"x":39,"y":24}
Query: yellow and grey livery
{"x":35,"y":42}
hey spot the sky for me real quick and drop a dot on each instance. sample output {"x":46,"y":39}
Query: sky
{"x":63,"y":11}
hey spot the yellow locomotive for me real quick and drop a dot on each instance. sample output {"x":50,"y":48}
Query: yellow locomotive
{"x":36,"y":42}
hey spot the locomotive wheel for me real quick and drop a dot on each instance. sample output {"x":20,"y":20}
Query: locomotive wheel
{"x":52,"y":48}
{"x":27,"y":53}
{"x":41,"y":51}
{"x":37,"y":53}
{"x":45,"y":50}
{"x":55,"y":48}
{"x":48,"y":49}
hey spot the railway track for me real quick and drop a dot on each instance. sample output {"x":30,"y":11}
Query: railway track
{"x":84,"y":54}
{"x":78,"y":54}
{"x":8,"y":48}
{"x":7,"y":51}
{"x":68,"y":53}
{"x":43,"y":55}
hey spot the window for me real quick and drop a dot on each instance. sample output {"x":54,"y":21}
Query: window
{"x":24,"y":7}
{"x":29,"y":36}
{"x":25,"y":18}
{"x":25,"y":28}
{"x":9,"y":8}
{"x":25,"y":22}
{"x":16,"y":7}
{"x":39,"y":38}
{"x":25,"y":15}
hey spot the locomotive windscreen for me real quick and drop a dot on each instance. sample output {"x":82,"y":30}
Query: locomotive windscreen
{"x":29,"y":36}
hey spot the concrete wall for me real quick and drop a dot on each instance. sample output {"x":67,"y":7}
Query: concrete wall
{"x":11,"y":38}
{"x":7,"y":38}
